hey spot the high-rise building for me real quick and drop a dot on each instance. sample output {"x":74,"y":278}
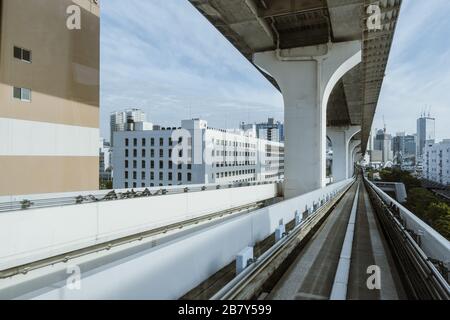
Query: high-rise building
{"x":398,"y":147}
{"x":271,"y":130}
{"x":49,"y":96}
{"x":125,"y":121}
{"x":436,"y":162}
{"x":404,"y":148}
{"x":425,"y":133}
{"x":383,"y":142}
{"x":410,"y":146}
{"x":144,"y":158}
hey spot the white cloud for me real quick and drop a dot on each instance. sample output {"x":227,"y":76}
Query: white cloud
{"x":418,"y":74}
{"x":164,"y":57}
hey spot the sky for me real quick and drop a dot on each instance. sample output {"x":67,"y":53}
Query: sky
{"x":165,"y":58}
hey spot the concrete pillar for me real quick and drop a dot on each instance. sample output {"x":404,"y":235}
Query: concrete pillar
{"x":353,"y":145}
{"x":340,"y":138}
{"x":307,"y":77}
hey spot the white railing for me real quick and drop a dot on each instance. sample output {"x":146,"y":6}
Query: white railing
{"x":35,"y":234}
{"x":433,"y":244}
{"x":171,"y":270}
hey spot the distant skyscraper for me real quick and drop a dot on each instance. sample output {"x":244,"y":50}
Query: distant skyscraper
{"x":404,"y":147}
{"x":270,"y":130}
{"x":425,"y":132}
{"x":383,"y":143}
{"x":120,"y":121}
{"x":398,"y":147}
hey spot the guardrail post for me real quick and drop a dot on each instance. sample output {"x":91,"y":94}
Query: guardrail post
{"x":447,"y":267}
{"x":280,"y":232}
{"x":244,"y":259}
{"x":298,"y":218}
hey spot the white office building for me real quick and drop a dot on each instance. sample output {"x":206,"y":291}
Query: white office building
{"x":148,"y":158}
{"x":436,"y":162}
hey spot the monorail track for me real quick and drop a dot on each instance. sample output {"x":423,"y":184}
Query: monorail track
{"x":333,"y":253}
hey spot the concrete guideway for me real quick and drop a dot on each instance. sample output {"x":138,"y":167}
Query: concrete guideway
{"x":312,"y":275}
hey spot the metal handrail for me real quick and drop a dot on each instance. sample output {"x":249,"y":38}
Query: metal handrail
{"x":420,"y":274}
{"x":114,"y":195}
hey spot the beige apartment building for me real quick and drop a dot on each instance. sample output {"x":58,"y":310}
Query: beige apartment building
{"x":49,"y":96}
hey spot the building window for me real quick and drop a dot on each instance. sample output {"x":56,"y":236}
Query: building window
{"x":143,"y":142}
{"x":161,"y":153}
{"x":143,"y":175}
{"x":127,"y":142}
{"x":170,"y":164}
{"x":180,"y":177}
{"x":22,"y":94}
{"x":161,"y":164}
{"x":22,"y":54}
{"x":170,"y":176}
{"x":152,"y":142}
{"x":134,"y":164}
{"x":161,"y":141}
{"x":143,"y":153}
{"x":126,"y":164}
{"x":152,"y":164}
{"x":126,"y":153}
{"x":161,"y":176}
{"x":152,"y":176}
{"x":135,"y":142}
{"x":189,"y":177}
{"x":126,"y":185}
{"x":143,"y":164}
{"x":134,"y":175}
{"x":152,"y":153}
{"x":135,"y":153}
{"x":189,"y":166}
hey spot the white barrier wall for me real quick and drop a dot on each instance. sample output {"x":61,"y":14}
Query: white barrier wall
{"x":169,"y":271}
{"x":35,"y":234}
{"x":432,"y":243}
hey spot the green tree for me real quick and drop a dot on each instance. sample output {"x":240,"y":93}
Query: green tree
{"x":439,"y":216}
{"x":419,"y":200}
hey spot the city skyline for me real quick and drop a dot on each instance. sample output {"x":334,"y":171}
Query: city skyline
{"x":158,"y":70}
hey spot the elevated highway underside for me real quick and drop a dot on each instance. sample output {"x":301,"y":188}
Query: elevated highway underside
{"x":255,"y":26}
{"x":328,"y":59}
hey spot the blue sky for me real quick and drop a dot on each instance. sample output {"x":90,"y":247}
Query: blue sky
{"x":165,"y":58}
